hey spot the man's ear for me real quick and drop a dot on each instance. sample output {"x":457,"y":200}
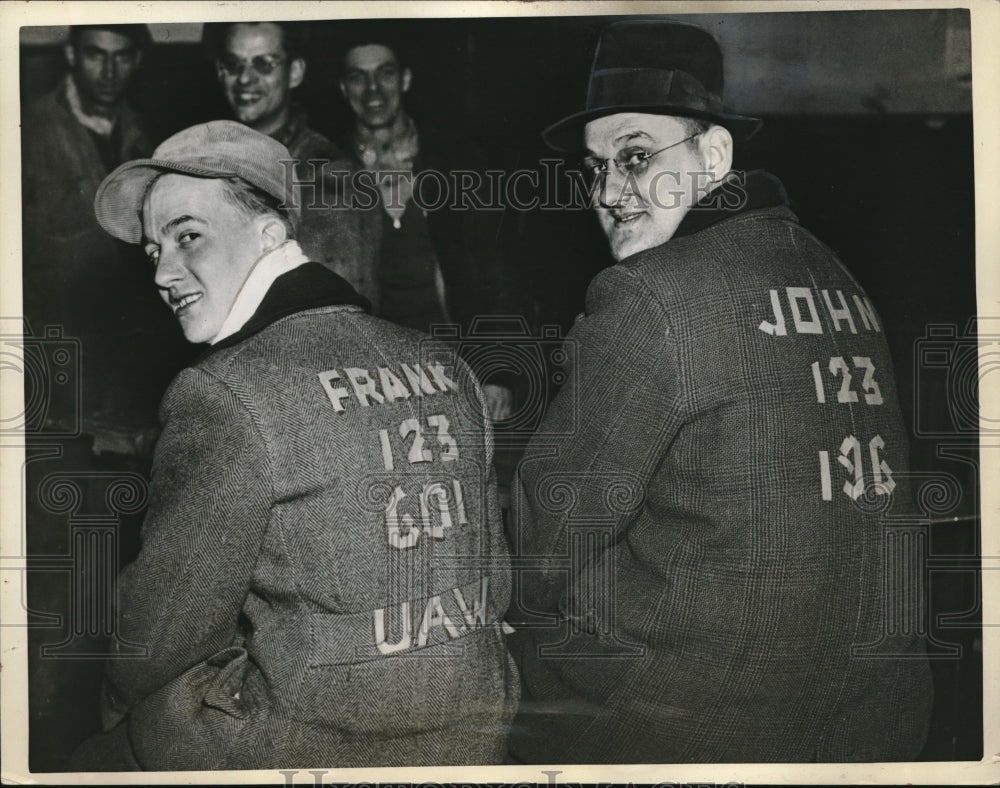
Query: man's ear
{"x":717,"y":152}
{"x":70,"y":53}
{"x":296,"y":73}
{"x":273,"y":233}
{"x":407,"y":78}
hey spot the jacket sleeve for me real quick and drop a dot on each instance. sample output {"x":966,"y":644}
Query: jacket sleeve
{"x":209,"y":507}
{"x":602,"y":437}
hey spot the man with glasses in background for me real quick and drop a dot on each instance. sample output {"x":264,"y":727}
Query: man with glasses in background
{"x":706,"y":521}
{"x":259,"y":66}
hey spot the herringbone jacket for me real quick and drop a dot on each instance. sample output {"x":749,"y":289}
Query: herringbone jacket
{"x":323,"y":567}
{"x":716,"y":509}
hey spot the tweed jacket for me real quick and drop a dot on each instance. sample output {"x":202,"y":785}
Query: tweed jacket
{"x":712,"y":512}
{"x":323,"y":567}
{"x":333,"y":231}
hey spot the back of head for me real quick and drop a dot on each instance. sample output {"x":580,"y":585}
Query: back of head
{"x":253,"y":202}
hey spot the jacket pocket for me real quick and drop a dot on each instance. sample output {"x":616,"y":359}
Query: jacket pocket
{"x":199,"y":720}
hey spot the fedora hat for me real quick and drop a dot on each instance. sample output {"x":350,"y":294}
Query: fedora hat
{"x":656,"y":67}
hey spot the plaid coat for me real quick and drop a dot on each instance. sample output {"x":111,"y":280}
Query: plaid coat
{"x":713,"y":516}
{"x":323,"y":567}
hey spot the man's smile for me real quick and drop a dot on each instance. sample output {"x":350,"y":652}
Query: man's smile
{"x":625,"y":217}
{"x":180,"y":303}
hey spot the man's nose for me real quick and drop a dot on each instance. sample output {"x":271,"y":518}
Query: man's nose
{"x":246,"y":74}
{"x":168,"y":271}
{"x":108,"y":68}
{"x":611,"y":188}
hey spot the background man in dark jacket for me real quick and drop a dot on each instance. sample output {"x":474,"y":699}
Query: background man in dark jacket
{"x":717,"y":546}
{"x":435,"y":261}
{"x":323,"y":566}
{"x":75,"y":276}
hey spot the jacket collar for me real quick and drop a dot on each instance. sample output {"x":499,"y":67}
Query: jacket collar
{"x":126,"y":121}
{"x":309,"y":286}
{"x":262,"y":275}
{"x":741,"y":191}
{"x":96,"y":123}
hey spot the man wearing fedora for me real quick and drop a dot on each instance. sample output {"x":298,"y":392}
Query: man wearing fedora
{"x":323,"y":567}
{"x":710,"y":517}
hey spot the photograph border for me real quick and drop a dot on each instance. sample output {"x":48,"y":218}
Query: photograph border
{"x":985,"y":21}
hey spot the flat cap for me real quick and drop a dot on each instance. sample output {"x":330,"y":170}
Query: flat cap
{"x":220,"y":149}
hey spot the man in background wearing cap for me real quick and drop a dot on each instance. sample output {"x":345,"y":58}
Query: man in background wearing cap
{"x":323,"y":566}
{"x":92,"y":292}
{"x":712,"y":571}
{"x":259,"y":66}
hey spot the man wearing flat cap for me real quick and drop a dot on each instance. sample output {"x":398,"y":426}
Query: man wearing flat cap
{"x":322,"y":569}
{"x":711,"y":552}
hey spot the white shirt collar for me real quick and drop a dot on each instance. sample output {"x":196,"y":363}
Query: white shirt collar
{"x":269,"y":267}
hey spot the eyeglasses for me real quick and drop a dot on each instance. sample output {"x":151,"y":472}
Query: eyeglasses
{"x":629,"y":161}
{"x":262,"y":65}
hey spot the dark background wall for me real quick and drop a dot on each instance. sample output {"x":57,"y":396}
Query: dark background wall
{"x":868,"y":123}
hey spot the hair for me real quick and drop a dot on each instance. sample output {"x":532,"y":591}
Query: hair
{"x":138,"y":34}
{"x":372,"y":33}
{"x":294,"y":37}
{"x":248,"y":199}
{"x":253,"y":202}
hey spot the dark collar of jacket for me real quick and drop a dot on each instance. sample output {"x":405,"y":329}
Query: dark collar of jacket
{"x":740,"y":192}
{"x":310,"y":286}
